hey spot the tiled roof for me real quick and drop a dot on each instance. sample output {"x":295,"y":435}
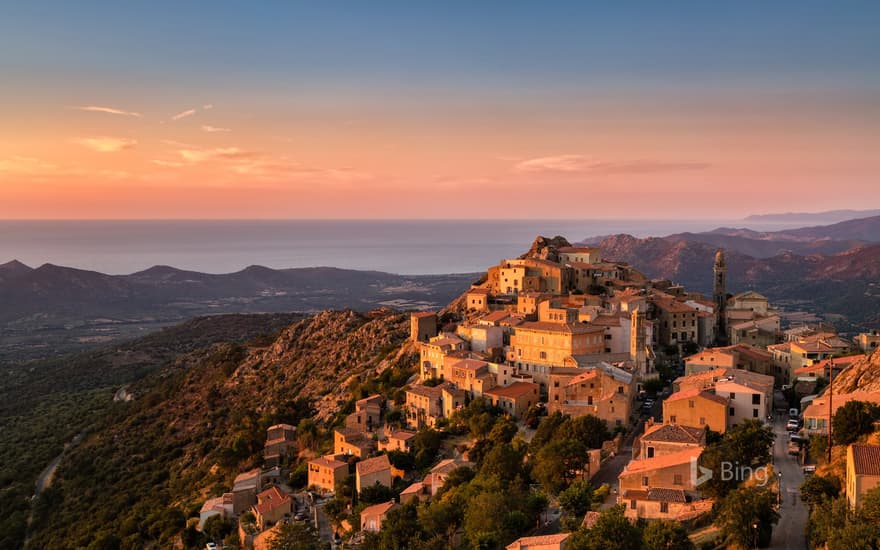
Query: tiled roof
{"x":517,"y":389}
{"x":526,"y":542}
{"x":403,"y":435}
{"x":566,"y":328}
{"x":426,"y":391}
{"x":665,"y":461}
{"x":373,"y":465}
{"x":470,"y":364}
{"x":866,"y":459}
{"x":414,"y":488}
{"x":327,"y":462}
{"x":377,"y":509}
{"x":674,"y":433}
{"x":696,"y":392}
{"x":270,"y":499}
{"x":421,"y":314}
{"x":661,"y":494}
{"x":478,"y":290}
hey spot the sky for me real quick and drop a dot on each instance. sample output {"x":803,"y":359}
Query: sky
{"x":453,"y":109}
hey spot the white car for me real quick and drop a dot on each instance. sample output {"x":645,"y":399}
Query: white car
{"x":210,"y":546}
{"x":793,"y":425}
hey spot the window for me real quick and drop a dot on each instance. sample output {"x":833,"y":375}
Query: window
{"x":691,"y":403}
{"x":732,"y":411}
{"x":645,"y":481}
{"x":619,"y":389}
{"x":672,"y":419}
{"x":632,"y":505}
{"x":754,"y":413}
{"x":664,"y":507}
{"x":756,"y":399}
{"x":732,"y":396}
{"x":676,"y":479}
{"x":649,"y":452}
{"x":702,"y":421}
{"x":543,"y":355}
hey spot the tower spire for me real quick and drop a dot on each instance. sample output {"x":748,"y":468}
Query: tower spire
{"x":719,"y":295}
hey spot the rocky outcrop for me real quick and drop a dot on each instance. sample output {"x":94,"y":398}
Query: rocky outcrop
{"x":862,"y":375}
{"x":546,"y":248}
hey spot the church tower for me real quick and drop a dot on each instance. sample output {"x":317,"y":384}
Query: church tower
{"x":720,"y":296}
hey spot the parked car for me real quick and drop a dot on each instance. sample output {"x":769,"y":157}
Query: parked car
{"x":793,"y":425}
{"x":210,"y":546}
{"x":793,"y":413}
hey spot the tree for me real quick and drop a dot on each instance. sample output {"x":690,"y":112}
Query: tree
{"x":853,"y":420}
{"x":612,"y":530}
{"x":546,"y":429}
{"x":577,"y":498}
{"x":294,"y":536}
{"x":745,"y":446}
{"x":400,"y":530}
{"x":746,"y":517}
{"x":558,"y":463}
{"x":426,"y":445}
{"x":590,"y":430}
{"x":869,"y":509}
{"x":505,"y":461}
{"x":816,"y":488}
{"x":666,"y":535}
{"x":375,"y":494}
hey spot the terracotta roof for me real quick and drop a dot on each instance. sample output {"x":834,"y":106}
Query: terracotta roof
{"x":866,"y":459}
{"x":673,"y":306}
{"x":281,"y":427}
{"x":567,"y":328}
{"x":526,"y":542}
{"x":373,"y":465}
{"x":270,"y":499}
{"x":820,"y":367}
{"x":674,"y":433}
{"x":665,"y":461}
{"x":494,"y":317}
{"x":471,"y":364}
{"x":661,"y":494}
{"x":403,"y":435}
{"x":517,"y":389}
{"x":378,"y":509}
{"x":426,"y":391}
{"x":446,"y":466}
{"x":592,"y":373}
{"x":328,"y":462}
{"x":696,"y":392}
{"x":478,"y":290}
{"x":818,"y":408}
{"x":577,"y":249}
{"x":414,"y":488}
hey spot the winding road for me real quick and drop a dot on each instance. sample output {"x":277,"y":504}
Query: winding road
{"x":790,"y":532}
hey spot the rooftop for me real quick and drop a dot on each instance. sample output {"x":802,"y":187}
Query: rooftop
{"x":270,"y":499}
{"x":674,"y":433}
{"x":373,"y":465}
{"x":517,"y":389}
{"x":866,"y":459}
{"x":665,"y":461}
{"x":696,"y":392}
{"x":378,"y":509}
{"x":524,"y":543}
{"x":566,"y":328}
{"x":327,"y":462}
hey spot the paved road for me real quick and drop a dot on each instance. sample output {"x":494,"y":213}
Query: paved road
{"x":789,"y":532}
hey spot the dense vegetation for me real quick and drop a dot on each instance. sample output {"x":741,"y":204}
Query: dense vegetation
{"x":44,"y":405}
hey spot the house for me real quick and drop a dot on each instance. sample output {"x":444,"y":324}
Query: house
{"x":399,"y":440}
{"x":482,"y":337}
{"x":453,"y":399}
{"x":367,"y":414}
{"x":418,"y":491}
{"x":372,"y":471}
{"x":472,"y":376}
{"x":602,"y":390}
{"x":422,"y":326}
{"x":760,"y":331}
{"x":815,"y":415}
{"x":656,"y":503}
{"x":862,"y":472}
{"x":373,"y":516}
{"x":747,"y":399}
{"x":697,"y":408}
{"x":516,"y":398}
{"x":220,"y":506}
{"x":675,"y":321}
{"x":477,"y":299}
{"x":665,"y":439}
{"x":542,"y":542}
{"x":740,"y":356}
{"x":438,"y":474}
{"x":280,"y":439}
{"x":529,"y":275}
{"x":272,"y":506}
{"x":245,"y":489}
{"x":347,"y":441}
{"x":536,"y":346}
{"x":583,"y":254}
{"x":424,"y":405}
{"x":326,"y":471}
{"x":433,"y":352}
{"x":867,"y":342}
{"x":671,"y":471}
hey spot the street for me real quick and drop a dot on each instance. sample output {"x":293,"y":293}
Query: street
{"x":789,"y":533}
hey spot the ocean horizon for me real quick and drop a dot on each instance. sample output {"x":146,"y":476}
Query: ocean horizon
{"x":410,"y":247}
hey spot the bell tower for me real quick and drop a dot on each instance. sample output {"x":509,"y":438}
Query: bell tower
{"x":720,"y":296}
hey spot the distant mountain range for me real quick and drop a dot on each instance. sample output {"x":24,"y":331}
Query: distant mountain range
{"x":828,"y":216}
{"x":51,"y":309}
{"x":832,"y":269}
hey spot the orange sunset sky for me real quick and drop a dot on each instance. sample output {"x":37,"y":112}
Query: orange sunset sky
{"x":294,"y":110}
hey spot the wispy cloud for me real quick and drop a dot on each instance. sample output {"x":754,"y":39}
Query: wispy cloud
{"x":218,"y":154}
{"x":581,"y":164}
{"x":27,"y":166}
{"x":212,"y":129}
{"x":106,"y":144}
{"x":184,"y":114}
{"x":168,"y":163}
{"x":208,"y":106}
{"x":108,"y":110}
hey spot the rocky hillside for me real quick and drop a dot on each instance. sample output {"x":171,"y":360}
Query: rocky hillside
{"x":195,"y":424}
{"x":863,"y":375}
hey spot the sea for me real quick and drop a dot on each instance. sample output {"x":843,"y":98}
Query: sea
{"x":410,"y":247}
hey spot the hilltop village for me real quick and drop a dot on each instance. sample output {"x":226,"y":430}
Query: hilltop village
{"x":587,"y":394}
